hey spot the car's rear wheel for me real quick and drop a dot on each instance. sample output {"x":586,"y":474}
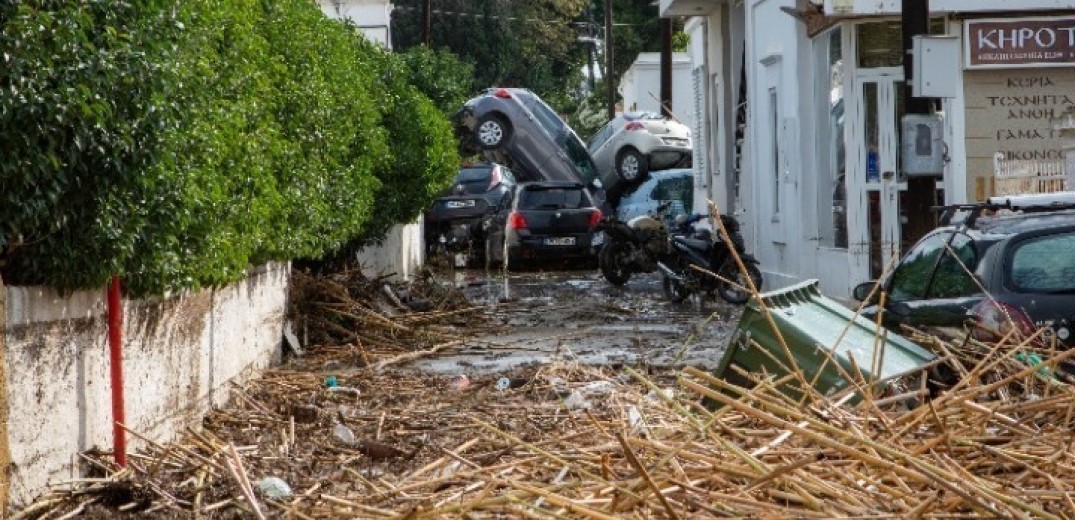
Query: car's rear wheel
{"x":492,"y":131}
{"x":631,"y":166}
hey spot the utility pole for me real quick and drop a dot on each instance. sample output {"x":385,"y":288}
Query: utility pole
{"x":427,"y":9}
{"x":610,"y":74}
{"x":915,"y":22}
{"x":921,"y":191}
{"x":666,"y":67}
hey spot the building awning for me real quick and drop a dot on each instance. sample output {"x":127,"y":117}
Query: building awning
{"x":670,"y":8}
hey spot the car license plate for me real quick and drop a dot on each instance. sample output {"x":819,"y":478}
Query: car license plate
{"x":560,"y":241}
{"x":459,"y":204}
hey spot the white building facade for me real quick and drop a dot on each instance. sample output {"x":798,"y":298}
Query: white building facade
{"x":803,"y":105}
{"x":373,"y":17}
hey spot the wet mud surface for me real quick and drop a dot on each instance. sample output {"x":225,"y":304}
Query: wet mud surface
{"x":576,"y":315}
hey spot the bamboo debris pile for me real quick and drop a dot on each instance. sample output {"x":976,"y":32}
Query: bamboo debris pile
{"x":350,"y":309}
{"x":571,"y":441}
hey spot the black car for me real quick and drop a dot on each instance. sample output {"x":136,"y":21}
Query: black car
{"x":459,"y":219}
{"x":998,"y":265}
{"x":549,"y":220}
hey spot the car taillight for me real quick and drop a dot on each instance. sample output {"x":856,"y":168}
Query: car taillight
{"x":494,"y":178}
{"x":595,"y":217}
{"x":634,"y":125}
{"x":998,"y":318}
{"x":502,"y":93}
{"x":516,"y":221}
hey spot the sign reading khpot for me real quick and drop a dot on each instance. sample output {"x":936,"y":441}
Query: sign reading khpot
{"x":1020,"y":42}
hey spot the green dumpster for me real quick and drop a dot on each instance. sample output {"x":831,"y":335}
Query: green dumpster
{"x":812,"y":325}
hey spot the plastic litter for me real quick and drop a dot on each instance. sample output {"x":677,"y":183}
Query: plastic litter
{"x":330,"y":382}
{"x":345,"y":390}
{"x":580,"y":397}
{"x":274,"y":488}
{"x":343,"y":434}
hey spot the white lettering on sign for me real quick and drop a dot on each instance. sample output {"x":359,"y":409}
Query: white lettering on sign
{"x":1018,"y":42}
{"x":998,"y":39}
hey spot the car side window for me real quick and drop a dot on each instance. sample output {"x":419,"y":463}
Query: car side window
{"x":953,"y":277}
{"x":1044,"y":264}
{"x":935,"y":268}
{"x":547,"y":119}
{"x":600,"y":137}
{"x":911,"y":278}
{"x":580,"y":157}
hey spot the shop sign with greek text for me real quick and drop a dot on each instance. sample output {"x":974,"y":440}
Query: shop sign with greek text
{"x":1020,"y":42}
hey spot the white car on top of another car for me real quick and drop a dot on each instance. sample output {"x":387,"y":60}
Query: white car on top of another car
{"x":630,"y":146}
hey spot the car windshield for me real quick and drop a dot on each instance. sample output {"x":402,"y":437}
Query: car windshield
{"x":474,"y":180}
{"x":553,"y":198}
{"x":1044,"y":265}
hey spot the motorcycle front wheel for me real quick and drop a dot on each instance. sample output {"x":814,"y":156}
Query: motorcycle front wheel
{"x":614,"y":262}
{"x":675,"y":291}
{"x":738,"y":295}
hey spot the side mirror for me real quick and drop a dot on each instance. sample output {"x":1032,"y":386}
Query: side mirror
{"x":862,"y":291}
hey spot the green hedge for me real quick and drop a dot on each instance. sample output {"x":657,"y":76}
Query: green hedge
{"x":178,"y":142}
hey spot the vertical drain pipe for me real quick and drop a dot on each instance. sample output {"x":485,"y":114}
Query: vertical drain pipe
{"x":115,"y":350}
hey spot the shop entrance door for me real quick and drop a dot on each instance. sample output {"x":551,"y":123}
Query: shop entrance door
{"x":880,"y":97}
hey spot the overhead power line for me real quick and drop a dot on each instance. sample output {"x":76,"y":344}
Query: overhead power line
{"x":463,"y":14}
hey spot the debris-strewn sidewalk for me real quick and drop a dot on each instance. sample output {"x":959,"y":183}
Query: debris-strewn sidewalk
{"x":342,"y":432}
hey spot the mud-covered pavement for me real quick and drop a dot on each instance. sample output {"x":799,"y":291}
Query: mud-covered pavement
{"x":576,"y":315}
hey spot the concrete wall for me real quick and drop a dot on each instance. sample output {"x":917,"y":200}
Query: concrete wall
{"x":401,"y":254}
{"x":180,"y":354}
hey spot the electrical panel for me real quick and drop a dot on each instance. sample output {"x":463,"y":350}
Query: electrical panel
{"x":923,"y":150}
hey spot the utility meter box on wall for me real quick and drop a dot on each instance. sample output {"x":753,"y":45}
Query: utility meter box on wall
{"x":922,"y":151}
{"x":936,"y":66}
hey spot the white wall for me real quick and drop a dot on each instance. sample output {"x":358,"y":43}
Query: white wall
{"x":179,"y":355}
{"x":640,"y":86}
{"x":373,"y":17}
{"x":773,"y":198}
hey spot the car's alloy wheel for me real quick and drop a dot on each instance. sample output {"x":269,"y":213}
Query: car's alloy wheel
{"x":631,"y":166}
{"x":491,"y":132}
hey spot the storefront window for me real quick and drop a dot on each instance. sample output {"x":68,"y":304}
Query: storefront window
{"x":832,"y":155}
{"x":880,"y":44}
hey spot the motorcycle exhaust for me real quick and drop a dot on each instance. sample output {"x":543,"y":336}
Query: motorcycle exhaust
{"x":667,"y":271}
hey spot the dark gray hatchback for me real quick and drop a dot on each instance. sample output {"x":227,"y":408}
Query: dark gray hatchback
{"x":548,"y":221}
{"x":998,"y":269}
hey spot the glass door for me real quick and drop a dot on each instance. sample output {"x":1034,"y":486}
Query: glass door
{"x":880,"y":98}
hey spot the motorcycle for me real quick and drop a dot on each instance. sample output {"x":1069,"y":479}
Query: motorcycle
{"x":635,"y":246}
{"x":691,"y":247}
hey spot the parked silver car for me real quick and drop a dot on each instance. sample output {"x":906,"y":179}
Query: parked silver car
{"x":627,"y":148}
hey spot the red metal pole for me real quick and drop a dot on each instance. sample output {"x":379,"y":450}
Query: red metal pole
{"x":115,"y":350}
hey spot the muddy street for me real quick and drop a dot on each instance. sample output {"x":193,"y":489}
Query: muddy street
{"x":575,"y":315}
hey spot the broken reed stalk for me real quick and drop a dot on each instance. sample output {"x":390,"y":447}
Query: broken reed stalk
{"x":630,"y":454}
{"x":411,"y":356}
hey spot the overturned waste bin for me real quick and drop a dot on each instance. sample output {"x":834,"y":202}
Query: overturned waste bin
{"x":826,"y":341}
